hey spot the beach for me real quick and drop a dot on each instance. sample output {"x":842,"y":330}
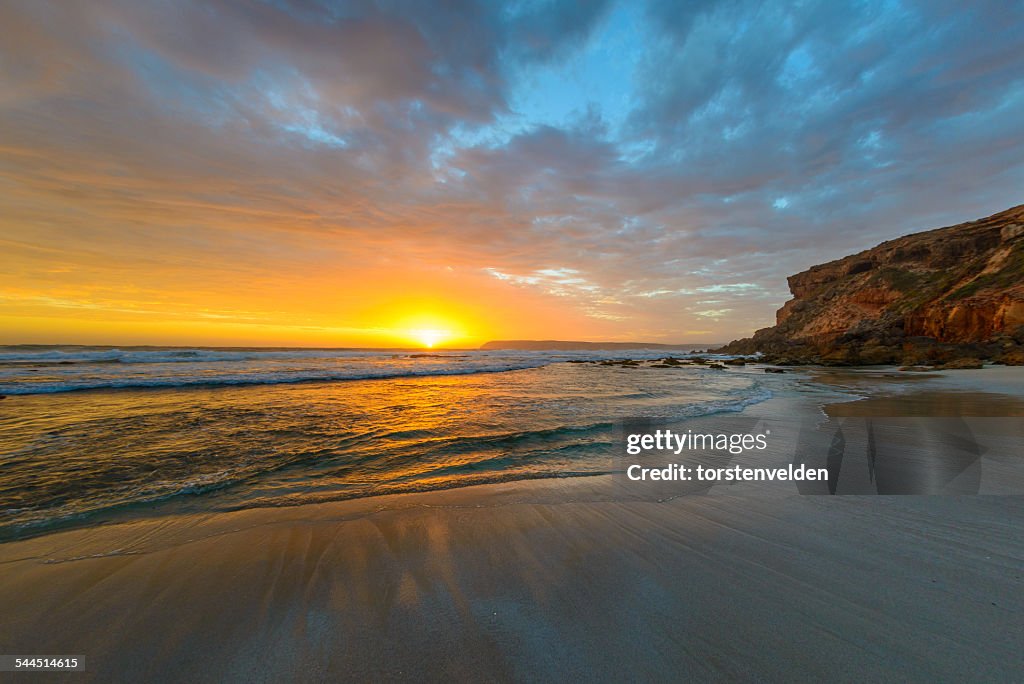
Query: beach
{"x":524,"y":582}
{"x":542,"y":580}
{"x":543,"y":341}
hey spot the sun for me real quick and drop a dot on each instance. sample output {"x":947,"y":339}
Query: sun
{"x":427,"y":330}
{"x":428,"y":337}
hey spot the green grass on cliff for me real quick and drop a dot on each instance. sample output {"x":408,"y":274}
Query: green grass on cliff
{"x":921,"y":286}
{"x":1010,"y":274}
{"x":917,"y":287}
{"x":904,"y":280}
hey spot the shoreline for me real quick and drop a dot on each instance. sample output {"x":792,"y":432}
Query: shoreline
{"x":198,"y":494}
{"x":844,"y":400}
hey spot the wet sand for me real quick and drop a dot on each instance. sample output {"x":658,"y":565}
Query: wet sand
{"x":931,"y":404}
{"x":548,"y":580}
{"x":992,"y":391}
{"x":518,"y":582}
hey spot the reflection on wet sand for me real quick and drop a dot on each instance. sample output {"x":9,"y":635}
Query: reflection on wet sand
{"x":931,"y":403}
{"x":920,"y":442}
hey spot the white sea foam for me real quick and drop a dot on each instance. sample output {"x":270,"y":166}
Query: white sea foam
{"x":63,"y":370}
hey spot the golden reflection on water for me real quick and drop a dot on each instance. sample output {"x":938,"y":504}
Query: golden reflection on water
{"x":229,"y":447}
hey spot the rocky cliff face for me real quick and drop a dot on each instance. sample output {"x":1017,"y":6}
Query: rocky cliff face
{"x":927,"y":297}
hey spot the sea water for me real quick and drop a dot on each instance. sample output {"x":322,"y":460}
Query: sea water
{"x":88,"y":435}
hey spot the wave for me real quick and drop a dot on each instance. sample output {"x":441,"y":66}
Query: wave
{"x":62,"y":370}
{"x":209,"y":355}
{"x":757,"y":395}
{"x":499,"y":467}
{"x":58,"y":356}
{"x":250,"y":379}
{"x":306,"y":462}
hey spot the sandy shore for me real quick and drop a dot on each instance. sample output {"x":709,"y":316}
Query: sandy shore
{"x":548,"y":580}
{"x":536,"y":581}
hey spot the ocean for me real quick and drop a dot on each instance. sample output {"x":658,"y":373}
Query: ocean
{"x":92,"y":435}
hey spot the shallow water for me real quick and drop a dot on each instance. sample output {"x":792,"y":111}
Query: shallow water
{"x":988,"y":392}
{"x":167,"y":443}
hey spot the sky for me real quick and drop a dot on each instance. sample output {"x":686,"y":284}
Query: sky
{"x":295,"y":172}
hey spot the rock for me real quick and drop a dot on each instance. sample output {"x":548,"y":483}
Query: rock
{"x":1012,"y":358}
{"x":735,"y":362}
{"x":622,"y":363}
{"x":931,"y":297}
{"x":841,"y":356}
{"x":878,"y":354}
{"x":916,"y":369}
{"x":774,"y":370}
{"x":1017,"y":334}
{"x":716,"y":366}
{"x":789,"y":361}
{"x":960,"y":364}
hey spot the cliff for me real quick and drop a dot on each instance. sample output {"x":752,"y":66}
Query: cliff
{"x":929,"y":297}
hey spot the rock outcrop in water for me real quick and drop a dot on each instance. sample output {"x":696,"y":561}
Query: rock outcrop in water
{"x":930,"y":297}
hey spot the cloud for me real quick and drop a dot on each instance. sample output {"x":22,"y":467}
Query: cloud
{"x":623,"y":160}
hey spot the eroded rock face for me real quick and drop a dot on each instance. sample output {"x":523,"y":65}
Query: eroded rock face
{"x":928,"y":297}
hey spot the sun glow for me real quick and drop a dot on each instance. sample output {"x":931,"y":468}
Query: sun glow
{"x":429,"y":337}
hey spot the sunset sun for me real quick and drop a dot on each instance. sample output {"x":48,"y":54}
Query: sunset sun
{"x":429,"y":337}
{"x":429,"y":329}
